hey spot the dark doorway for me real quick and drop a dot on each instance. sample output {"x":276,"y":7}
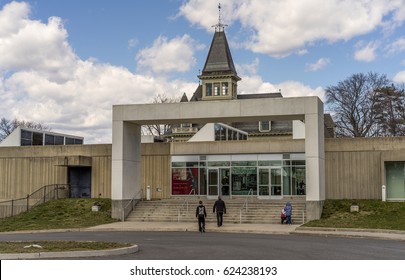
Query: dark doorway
{"x":79,"y":179}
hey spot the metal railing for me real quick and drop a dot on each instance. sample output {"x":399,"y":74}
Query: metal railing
{"x":184,"y":205}
{"x":129,"y":207}
{"x":13,"y":207}
{"x":245,"y":204}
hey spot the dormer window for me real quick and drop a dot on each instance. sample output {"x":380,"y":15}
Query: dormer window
{"x":264,"y":126}
{"x":224,"y":88}
{"x":208,"y":89}
{"x":216,"y":89}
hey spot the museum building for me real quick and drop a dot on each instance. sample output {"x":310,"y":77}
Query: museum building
{"x":220,"y":143}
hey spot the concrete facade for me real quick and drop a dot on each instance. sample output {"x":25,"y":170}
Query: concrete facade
{"x":127,"y":121}
{"x":354,"y":167}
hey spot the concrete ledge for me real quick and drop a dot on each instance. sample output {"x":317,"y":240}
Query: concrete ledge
{"x":353,"y":232}
{"x":71,"y":254}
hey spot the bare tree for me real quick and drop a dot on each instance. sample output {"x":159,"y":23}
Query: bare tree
{"x":354,"y":102}
{"x":159,"y":129}
{"x":8,"y":126}
{"x":391,"y":111}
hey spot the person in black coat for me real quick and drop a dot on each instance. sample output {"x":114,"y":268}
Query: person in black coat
{"x":200,"y":214}
{"x":219,"y":207}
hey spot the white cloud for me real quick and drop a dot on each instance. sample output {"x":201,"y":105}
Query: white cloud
{"x":34,"y":45}
{"x":132,"y":43}
{"x":280,"y":28}
{"x":166,"y":56}
{"x":248,"y":69}
{"x":321,"y":63}
{"x":254,"y":84}
{"x":397,"y":46}
{"x":366,"y":53}
{"x":399,"y":77}
{"x":43,"y":80}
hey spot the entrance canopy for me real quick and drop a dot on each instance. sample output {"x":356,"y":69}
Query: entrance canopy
{"x":128,"y":119}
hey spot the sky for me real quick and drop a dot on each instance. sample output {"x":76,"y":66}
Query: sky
{"x":65,"y":63}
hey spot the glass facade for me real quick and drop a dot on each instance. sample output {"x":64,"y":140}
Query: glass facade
{"x":226,"y":133}
{"x":33,"y":138}
{"x":263,"y":175}
{"x":395,"y":180}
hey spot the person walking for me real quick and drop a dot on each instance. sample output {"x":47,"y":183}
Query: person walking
{"x":219,"y":207}
{"x":201,"y":214}
{"x":288,"y":212}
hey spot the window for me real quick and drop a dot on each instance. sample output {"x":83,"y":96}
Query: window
{"x":395,"y":178}
{"x":220,"y":133}
{"x":49,"y":139}
{"x":26,"y":138}
{"x":264,"y":126}
{"x":58,"y":140}
{"x":224,"y":88}
{"x":69,"y":141}
{"x":208,"y":89}
{"x":37,"y":139}
{"x":216,"y":89}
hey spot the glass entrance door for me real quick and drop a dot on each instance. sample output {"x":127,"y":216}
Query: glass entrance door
{"x":264,"y":183}
{"x":218,"y":182}
{"x":276,"y":182}
{"x":213,"y":182}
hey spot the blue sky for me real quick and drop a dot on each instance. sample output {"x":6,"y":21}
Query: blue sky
{"x":65,"y":63}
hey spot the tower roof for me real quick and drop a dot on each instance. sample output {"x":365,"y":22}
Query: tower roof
{"x":219,"y":60}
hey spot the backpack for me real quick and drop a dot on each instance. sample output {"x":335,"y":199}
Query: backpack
{"x":201,"y":210}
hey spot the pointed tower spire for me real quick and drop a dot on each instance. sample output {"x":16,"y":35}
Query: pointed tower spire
{"x":219,"y":26}
{"x":219,"y":77}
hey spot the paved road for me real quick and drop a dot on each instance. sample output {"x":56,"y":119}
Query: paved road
{"x":233,"y":246}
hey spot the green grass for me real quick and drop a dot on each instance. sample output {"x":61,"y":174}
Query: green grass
{"x":373,"y":214}
{"x":76,"y":213}
{"x":57,"y":246}
{"x":60,"y":214}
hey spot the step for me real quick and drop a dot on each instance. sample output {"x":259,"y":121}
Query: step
{"x":175,"y":209}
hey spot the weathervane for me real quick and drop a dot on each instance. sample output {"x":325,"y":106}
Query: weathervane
{"x":219,"y":26}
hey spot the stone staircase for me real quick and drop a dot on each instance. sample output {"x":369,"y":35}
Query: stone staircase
{"x":183,"y":210}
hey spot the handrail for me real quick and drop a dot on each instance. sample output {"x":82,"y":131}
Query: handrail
{"x":130,"y":203}
{"x":42,"y":195}
{"x":185,"y":203}
{"x":245,"y":204}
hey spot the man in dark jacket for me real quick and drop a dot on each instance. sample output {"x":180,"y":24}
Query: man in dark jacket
{"x":219,"y":206}
{"x":200,"y":214}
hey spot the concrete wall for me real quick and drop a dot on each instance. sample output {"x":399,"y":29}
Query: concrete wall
{"x":24,"y":170}
{"x":354,"y":168}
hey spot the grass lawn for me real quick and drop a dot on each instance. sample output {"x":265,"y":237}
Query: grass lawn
{"x":56,"y":246}
{"x":77,"y":213}
{"x":373,"y":214}
{"x":60,"y":214}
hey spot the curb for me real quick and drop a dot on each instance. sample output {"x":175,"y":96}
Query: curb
{"x":355,"y":233}
{"x":71,"y":254}
{"x":328,"y":229}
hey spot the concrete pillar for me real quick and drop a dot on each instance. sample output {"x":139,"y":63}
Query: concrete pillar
{"x":126,"y":164}
{"x":315,"y":160}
